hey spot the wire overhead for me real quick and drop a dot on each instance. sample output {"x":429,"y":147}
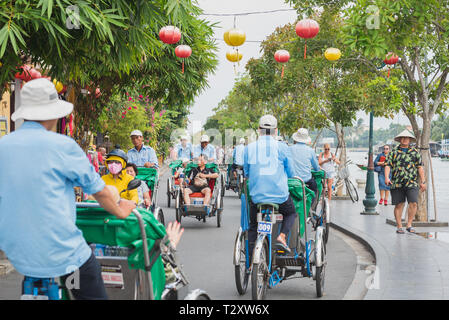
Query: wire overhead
{"x":244,"y":13}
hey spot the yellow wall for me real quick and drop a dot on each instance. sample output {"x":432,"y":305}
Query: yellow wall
{"x":5,"y":109}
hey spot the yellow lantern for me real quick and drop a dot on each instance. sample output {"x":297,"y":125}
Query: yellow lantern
{"x":234,"y":37}
{"x":58,"y":85}
{"x":234,"y":56}
{"x":332,"y":54}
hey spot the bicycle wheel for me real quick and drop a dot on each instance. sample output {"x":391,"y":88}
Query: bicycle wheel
{"x":260,"y":274}
{"x":352,"y":191}
{"x":241,"y":274}
{"x":320,"y":275}
{"x":169,"y":192}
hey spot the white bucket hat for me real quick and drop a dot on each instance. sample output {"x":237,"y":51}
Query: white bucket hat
{"x":242,"y":141}
{"x":39,"y":101}
{"x":302,"y":136}
{"x":405,"y":134}
{"x":204,"y":138}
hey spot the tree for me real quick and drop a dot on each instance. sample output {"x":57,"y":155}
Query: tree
{"x":418,"y":32}
{"x":113,"y":45}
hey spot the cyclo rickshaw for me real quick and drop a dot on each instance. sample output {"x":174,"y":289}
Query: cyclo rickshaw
{"x":269,"y":265}
{"x":136,"y":258}
{"x":233,"y":183}
{"x":197,"y":209}
{"x":151,"y":177}
{"x":173,"y":183}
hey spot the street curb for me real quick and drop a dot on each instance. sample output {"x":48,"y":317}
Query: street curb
{"x":377,"y":251}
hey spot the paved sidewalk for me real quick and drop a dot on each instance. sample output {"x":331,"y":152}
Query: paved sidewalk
{"x":409,"y":266}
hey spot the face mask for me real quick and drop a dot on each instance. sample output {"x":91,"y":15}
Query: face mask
{"x":115,"y":168}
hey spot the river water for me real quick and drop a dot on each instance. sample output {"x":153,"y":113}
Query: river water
{"x":441,"y":175}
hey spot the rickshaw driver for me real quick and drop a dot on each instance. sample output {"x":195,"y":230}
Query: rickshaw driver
{"x":199,"y":181}
{"x":268,"y":165}
{"x":142,"y":155}
{"x":37,"y":202}
{"x":205,"y":148}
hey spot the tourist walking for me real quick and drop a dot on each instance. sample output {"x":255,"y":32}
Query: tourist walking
{"x":327,"y":161}
{"x":379,"y":167}
{"x":405,"y":164}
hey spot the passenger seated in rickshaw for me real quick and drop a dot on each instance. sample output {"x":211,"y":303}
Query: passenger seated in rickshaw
{"x":304,"y":159}
{"x":116,"y":162}
{"x":198,"y":181}
{"x":180,"y":172}
{"x":143,"y":191}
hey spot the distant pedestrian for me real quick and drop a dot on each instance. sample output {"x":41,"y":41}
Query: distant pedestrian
{"x":405,"y":163}
{"x":327,"y":161}
{"x":379,"y":167}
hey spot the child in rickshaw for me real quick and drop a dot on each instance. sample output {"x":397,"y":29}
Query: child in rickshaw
{"x":198,"y":181}
{"x":143,"y":191}
{"x":180,"y":172}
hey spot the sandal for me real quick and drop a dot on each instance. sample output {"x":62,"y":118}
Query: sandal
{"x":411,"y":230}
{"x":400,"y":231}
{"x":283,"y":247}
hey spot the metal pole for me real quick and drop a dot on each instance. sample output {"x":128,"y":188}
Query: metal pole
{"x":370,"y":201}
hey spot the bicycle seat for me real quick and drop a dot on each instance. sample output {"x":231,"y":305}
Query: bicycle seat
{"x":274,"y":205}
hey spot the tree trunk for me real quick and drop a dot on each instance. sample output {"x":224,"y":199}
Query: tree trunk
{"x":423,"y":198}
{"x":342,"y":147}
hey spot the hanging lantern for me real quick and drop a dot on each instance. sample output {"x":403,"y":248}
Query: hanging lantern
{"x":391,"y":59}
{"x":183,"y":52}
{"x":307,"y":29}
{"x":234,"y":37}
{"x":58,"y":85}
{"x":24,"y":73}
{"x":332,"y":54}
{"x":282,"y":56}
{"x":234,"y":56}
{"x":170,"y":34}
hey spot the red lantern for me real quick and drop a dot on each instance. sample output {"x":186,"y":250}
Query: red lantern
{"x":391,"y":59}
{"x":307,"y":29}
{"x":282,"y":56}
{"x":170,"y":34}
{"x":24,"y":73}
{"x":183,"y":52}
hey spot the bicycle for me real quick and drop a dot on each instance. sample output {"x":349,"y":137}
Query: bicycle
{"x":343,"y":178}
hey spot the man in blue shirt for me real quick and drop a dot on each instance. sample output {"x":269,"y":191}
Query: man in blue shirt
{"x":141,"y":155}
{"x":267,"y":164}
{"x":39,"y":169}
{"x":304,"y":159}
{"x":204,"y":148}
{"x":237,"y":157}
{"x":184,"y":149}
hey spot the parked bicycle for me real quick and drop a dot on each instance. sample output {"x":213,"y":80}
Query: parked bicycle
{"x":343,"y":179}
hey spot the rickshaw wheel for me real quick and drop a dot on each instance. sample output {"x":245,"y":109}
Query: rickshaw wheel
{"x":320,"y":274}
{"x":260,"y":275}
{"x":241,"y":275}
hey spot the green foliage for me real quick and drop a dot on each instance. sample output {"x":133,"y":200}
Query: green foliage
{"x":440,"y":128}
{"x":136,"y":113}
{"x":115,"y":47}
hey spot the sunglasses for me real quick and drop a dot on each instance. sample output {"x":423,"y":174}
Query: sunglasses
{"x":326,"y":149}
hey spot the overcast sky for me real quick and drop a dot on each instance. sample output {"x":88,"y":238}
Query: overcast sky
{"x":257,"y":27}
